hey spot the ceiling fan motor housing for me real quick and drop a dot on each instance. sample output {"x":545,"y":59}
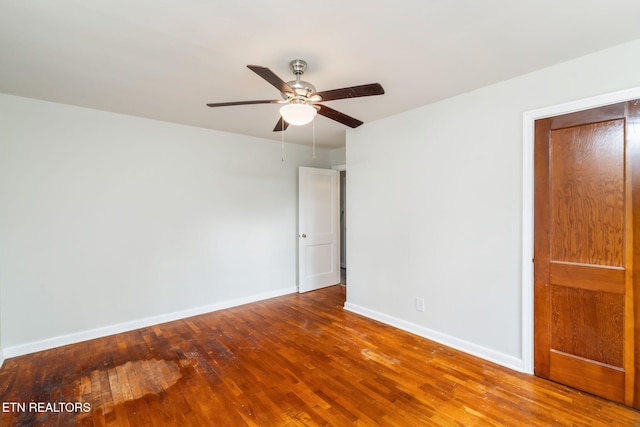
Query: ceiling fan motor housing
{"x":303,"y":89}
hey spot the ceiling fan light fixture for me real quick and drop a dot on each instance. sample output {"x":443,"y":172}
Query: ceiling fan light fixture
{"x":298,"y":114}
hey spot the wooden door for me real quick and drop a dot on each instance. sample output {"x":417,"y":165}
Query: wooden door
{"x":318,"y":210}
{"x":587,"y":183}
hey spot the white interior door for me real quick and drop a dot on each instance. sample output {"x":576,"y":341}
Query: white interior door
{"x":319,"y":222}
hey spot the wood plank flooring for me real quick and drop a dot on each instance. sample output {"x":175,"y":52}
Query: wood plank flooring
{"x":288,"y":361}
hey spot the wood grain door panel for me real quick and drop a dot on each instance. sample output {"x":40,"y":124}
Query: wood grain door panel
{"x":587,"y":194}
{"x":588,"y":324}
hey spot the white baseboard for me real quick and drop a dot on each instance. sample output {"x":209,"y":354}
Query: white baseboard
{"x":453,"y":342}
{"x":90,"y":334}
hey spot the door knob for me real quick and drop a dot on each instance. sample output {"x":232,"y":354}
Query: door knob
{"x":303,"y":236}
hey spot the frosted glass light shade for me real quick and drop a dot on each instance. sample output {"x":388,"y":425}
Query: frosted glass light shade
{"x":297,"y":114}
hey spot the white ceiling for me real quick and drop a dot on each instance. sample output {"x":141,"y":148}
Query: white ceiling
{"x":165,"y":59}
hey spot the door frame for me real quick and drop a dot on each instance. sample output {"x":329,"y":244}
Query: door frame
{"x":342,"y":229}
{"x":528,"y":128}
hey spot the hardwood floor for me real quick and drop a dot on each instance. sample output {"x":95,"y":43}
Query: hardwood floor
{"x":292,"y":360}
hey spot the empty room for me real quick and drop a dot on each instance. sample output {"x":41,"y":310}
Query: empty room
{"x":219,"y":213}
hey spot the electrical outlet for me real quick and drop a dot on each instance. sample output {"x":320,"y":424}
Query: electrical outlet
{"x":419,"y":304}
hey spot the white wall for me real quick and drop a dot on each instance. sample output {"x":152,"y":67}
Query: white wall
{"x":338,"y":156}
{"x":435,"y":205}
{"x":107,"y":220}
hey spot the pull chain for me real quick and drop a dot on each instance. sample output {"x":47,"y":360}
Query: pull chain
{"x":314,"y":136}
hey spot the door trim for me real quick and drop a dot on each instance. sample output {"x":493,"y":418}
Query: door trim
{"x":528,"y":126}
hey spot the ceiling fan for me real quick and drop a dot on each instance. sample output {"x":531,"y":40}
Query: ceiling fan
{"x":300,"y":100}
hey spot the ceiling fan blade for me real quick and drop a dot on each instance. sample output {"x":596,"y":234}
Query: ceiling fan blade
{"x":272,"y":78}
{"x":351,"y":92}
{"x":281,"y":125}
{"x":227,"y":104}
{"x":338,"y":116}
